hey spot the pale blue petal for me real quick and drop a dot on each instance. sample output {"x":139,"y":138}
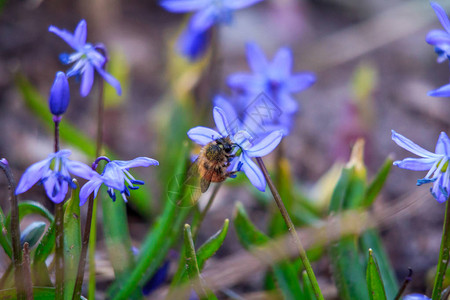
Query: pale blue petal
{"x":32,"y":175}
{"x":80,"y":33}
{"x":203,"y":19}
{"x":137,"y":162}
{"x":221,"y":121}
{"x":238,"y":4}
{"x":410,"y":146}
{"x":266,"y":145}
{"x":79,"y":169}
{"x":67,"y":36}
{"x":416,"y":297}
{"x":110,"y":79}
{"x":203,"y":135}
{"x":442,"y":16}
{"x":416,"y":164}
{"x":51,"y":184}
{"x":437,"y":37}
{"x":193,"y":43}
{"x":443,"y":91}
{"x":254,"y":174}
{"x":240,"y":80}
{"x":179,"y":6}
{"x":256,"y":58}
{"x":87,"y":80}
{"x":443,"y":144}
{"x":287,"y":104}
{"x":300,"y":81}
{"x":113,"y":176}
{"x":227,"y":107}
{"x":281,"y":65}
{"x":91,"y":186}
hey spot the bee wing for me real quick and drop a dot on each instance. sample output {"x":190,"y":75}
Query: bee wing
{"x":205,"y":181}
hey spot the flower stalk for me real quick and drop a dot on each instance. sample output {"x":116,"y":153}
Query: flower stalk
{"x":444,"y":255}
{"x":292,"y":231}
{"x":15,"y":231}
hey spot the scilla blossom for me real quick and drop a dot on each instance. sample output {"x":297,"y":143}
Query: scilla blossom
{"x":116,"y":177}
{"x":54,"y":173}
{"x":86,"y":58}
{"x":249,"y":146}
{"x":436,"y":163}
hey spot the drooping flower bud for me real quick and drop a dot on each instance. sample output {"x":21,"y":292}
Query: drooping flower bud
{"x":59,"y":95}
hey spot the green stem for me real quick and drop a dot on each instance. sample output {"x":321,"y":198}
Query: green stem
{"x":27,"y":271}
{"x":292,"y":231}
{"x":59,"y":230}
{"x":443,"y":256}
{"x":15,"y":231}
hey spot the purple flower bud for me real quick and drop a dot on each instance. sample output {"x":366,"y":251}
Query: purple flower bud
{"x":59,"y":95}
{"x":4,"y":161}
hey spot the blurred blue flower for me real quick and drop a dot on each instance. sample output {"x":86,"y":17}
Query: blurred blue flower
{"x":54,"y":173}
{"x":114,"y":176}
{"x":416,"y":297}
{"x":439,"y":38}
{"x":194,"y":39}
{"x":436,"y":163}
{"x":249,"y":145}
{"x":59,"y":95}
{"x":86,"y":59}
{"x":273,"y":78}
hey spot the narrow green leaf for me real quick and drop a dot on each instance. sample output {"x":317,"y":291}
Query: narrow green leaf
{"x":212,"y":245}
{"x":371,"y":239}
{"x":374,"y":282}
{"x":72,"y":242}
{"x":307,"y":287}
{"x":377,"y":183}
{"x":46,"y":245}
{"x":32,"y":233}
{"x":354,"y":196}
{"x":39,"y":293}
{"x":192,"y":268}
{"x":340,"y":191}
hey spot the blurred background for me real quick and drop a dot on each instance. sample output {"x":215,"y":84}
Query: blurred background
{"x":373,"y":66}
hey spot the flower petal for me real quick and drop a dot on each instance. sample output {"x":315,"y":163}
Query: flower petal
{"x":287,"y":104}
{"x":238,"y":4}
{"x":110,"y":79}
{"x":266,"y":145}
{"x":178,"y":6}
{"x":87,"y":79}
{"x":91,"y":186}
{"x":226,"y":106}
{"x":300,"y":81}
{"x":67,"y":36}
{"x":80,"y":33}
{"x":193,"y":43}
{"x":416,"y":164}
{"x":221,"y":121}
{"x":55,"y":189}
{"x":32,"y":175}
{"x":443,"y":144}
{"x":254,"y":174}
{"x":203,"y":19}
{"x":79,"y":169}
{"x":442,"y":16}
{"x":256,"y":58}
{"x":113,"y":176}
{"x":203,"y":135}
{"x":437,"y":37}
{"x":416,"y":297}
{"x":443,"y":91}
{"x":281,"y":65}
{"x":410,"y":146}
{"x":243,"y":81}
{"x":137,"y":162}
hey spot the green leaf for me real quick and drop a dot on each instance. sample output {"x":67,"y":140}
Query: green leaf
{"x":371,"y":239}
{"x":5,"y":242}
{"x":210,"y":247}
{"x":377,"y":183}
{"x":72,"y":242}
{"x":77,"y":139}
{"x":31,"y":207}
{"x":39,"y":293}
{"x":192,"y":268}
{"x":374,"y":282}
{"x":340,"y":191}
{"x":46,"y":245}
{"x":32,"y":233}
{"x":250,"y":236}
{"x":307,"y":287}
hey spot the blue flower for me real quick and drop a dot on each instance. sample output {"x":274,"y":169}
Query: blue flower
{"x":54,"y":173}
{"x":273,"y":78}
{"x":436,"y":163}
{"x":59,"y":95}
{"x":439,"y":38}
{"x":207,"y":13}
{"x":114,"y":176}
{"x":249,"y":146}
{"x":416,"y":297}
{"x":86,"y":58}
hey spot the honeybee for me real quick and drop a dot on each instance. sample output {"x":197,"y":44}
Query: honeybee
{"x":213,"y":162}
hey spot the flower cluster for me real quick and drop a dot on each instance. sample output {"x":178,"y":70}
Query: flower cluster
{"x":440,"y":39}
{"x":436,"y":163}
{"x":194,"y":40}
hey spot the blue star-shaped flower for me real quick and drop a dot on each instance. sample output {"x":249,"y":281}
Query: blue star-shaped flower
{"x":436,"y":163}
{"x":416,"y":297}
{"x":194,"y":39}
{"x":249,"y":146}
{"x":54,"y":173}
{"x":86,"y":59}
{"x":114,"y":176}
{"x":273,"y":78}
